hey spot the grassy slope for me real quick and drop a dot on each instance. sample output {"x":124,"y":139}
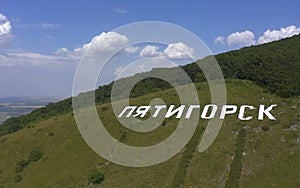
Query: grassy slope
{"x":272,"y":158}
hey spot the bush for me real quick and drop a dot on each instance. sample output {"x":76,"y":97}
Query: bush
{"x":35,"y":155}
{"x":123,"y":135}
{"x":18,"y":178}
{"x":51,"y":134}
{"x":265,"y":128}
{"x":95,"y":176}
{"x":21,"y":165}
{"x":13,"y":128}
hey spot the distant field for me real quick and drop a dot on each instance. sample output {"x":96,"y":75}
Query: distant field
{"x":16,"y":106}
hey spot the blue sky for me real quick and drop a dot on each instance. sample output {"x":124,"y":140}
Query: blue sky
{"x":37,"y":29}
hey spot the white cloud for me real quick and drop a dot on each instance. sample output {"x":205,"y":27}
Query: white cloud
{"x":103,"y":44}
{"x":53,"y":73}
{"x":274,"y":35}
{"x":5,"y":30}
{"x":120,"y":11}
{"x":245,"y":38}
{"x":179,"y":50}
{"x":61,"y":51}
{"x":220,"y":40}
{"x":106,"y":42}
{"x":5,"y":26}
{"x":131,"y":49}
{"x":14,"y":59}
{"x":150,"y":51}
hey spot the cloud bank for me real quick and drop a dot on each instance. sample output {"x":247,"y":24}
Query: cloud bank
{"x":150,"y":51}
{"x":177,"y":50}
{"x":274,"y":35}
{"x":247,"y":38}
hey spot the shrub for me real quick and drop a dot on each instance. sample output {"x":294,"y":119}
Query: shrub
{"x":95,"y":176}
{"x":123,"y":135}
{"x":21,"y":165}
{"x":18,"y":178}
{"x":13,"y":128}
{"x":51,"y":134}
{"x":265,"y":128}
{"x":35,"y":155}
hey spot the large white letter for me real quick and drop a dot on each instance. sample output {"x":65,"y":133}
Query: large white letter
{"x":212,"y":113}
{"x":178,"y":110}
{"x":158,"y":109}
{"x":131,"y":108}
{"x":263,"y":111}
{"x":242,"y":112}
{"x":141,"y":111}
{"x":190,"y":110}
{"x":225,"y":110}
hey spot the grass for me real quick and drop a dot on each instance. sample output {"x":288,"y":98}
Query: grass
{"x":212,"y":167}
{"x":236,"y":165}
{"x":186,"y":158}
{"x":272,"y":157}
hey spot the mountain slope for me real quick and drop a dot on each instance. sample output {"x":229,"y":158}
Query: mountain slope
{"x":271,"y":157}
{"x":274,"y":66}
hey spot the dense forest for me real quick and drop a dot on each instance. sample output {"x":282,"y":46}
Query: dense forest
{"x":274,"y":66}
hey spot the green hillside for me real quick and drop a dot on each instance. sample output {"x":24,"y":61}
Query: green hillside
{"x":273,"y":66}
{"x":269,"y":150}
